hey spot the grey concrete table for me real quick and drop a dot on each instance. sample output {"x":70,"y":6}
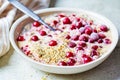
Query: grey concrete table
{"x":13,"y":67}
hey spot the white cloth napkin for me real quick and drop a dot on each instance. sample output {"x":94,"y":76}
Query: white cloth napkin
{"x":8,"y":15}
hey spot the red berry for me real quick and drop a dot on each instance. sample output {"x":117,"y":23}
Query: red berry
{"x":104,"y":28}
{"x":43,"y":33}
{"x":94,"y":53}
{"x":36,"y":24}
{"x":90,"y":22}
{"x":55,"y":22}
{"x":78,"y":19}
{"x":62,"y":63}
{"x":91,"y":40}
{"x":82,"y":44}
{"x":73,"y":27}
{"x":68,"y":37}
{"x":88,"y":30}
{"x":20,"y":38}
{"x":86,"y":58}
{"x":79,"y":48}
{"x":73,"y":15}
{"x":94,"y":30}
{"x":66,"y":20}
{"x":83,"y":38}
{"x":69,"y":54}
{"x":52,"y":43}
{"x":75,"y":38}
{"x":101,"y":35}
{"x":61,"y":15}
{"x":26,"y":46}
{"x":34,"y":38}
{"x":72,"y":44}
{"x":82,"y":30}
{"x":49,"y":35}
{"x":79,"y":25}
{"x":94,"y":36}
{"x":84,"y":23}
{"x":27,"y":52}
{"x":24,"y":49}
{"x":95,"y":47}
{"x":71,"y":62}
{"x":99,"y":40}
{"x":107,"y":41}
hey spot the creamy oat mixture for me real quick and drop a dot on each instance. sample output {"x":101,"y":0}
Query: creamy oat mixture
{"x":77,"y":40}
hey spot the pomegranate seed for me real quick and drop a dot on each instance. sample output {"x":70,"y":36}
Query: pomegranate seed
{"x":78,"y":19}
{"x":21,"y":48}
{"x":82,"y":44}
{"x":73,"y":15}
{"x":36,"y":24}
{"x":99,"y":40}
{"x":68,"y":37}
{"x":86,"y":58}
{"x":84,"y":23}
{"x":26,"y":46}
{"x":101,"y":46}
{"x":62,"y":63}
{"x":61,"y":15}
{"x":55,"y":22}
{"x":69,"y":54}
{"x":27,"y":53}
{"x":71,"y":62}
{"x":34,"y":38}
{"x":91,"y":40}
{"x":24,"y":49}
{"x":88,"y":30}
{"x":107,"y":41}
{"x":79,"y":48}
{"x":66,"y":20}
{"x":94,"y":36}
{"x":49,"y":35}
{"x":103,"y":28}
{"x":73,"y":27}
{"x":52,"y":43}
{"x":75,"y":38}
{"x":43,"y":33}
{"x":83,"y":38}
{"x":79,"y":25}
{"x":93,"y":53}
{"x":94,"y":30}
{"x":101,"y":35}
{"x":91,"y":22}
{"x":95,"y":47}
{"x":72,"y":44}
{"x":20,"y":38}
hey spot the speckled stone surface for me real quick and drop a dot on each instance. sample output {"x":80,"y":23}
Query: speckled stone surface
{"x":14,"y":67}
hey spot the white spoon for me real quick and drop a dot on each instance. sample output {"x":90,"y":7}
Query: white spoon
{"x":29,"y":12}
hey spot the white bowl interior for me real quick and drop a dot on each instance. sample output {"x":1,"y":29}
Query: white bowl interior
{"x":20,"y":23}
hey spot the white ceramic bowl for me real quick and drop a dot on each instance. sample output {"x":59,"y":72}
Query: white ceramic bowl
{"x":18,"y":25}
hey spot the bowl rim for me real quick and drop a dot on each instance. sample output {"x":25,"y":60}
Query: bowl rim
{"x":61,"y":9}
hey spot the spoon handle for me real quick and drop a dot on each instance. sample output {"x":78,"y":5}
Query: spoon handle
{"x":29,"y":12}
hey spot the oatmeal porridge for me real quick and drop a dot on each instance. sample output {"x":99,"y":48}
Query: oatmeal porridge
{"x":77,"y":40}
